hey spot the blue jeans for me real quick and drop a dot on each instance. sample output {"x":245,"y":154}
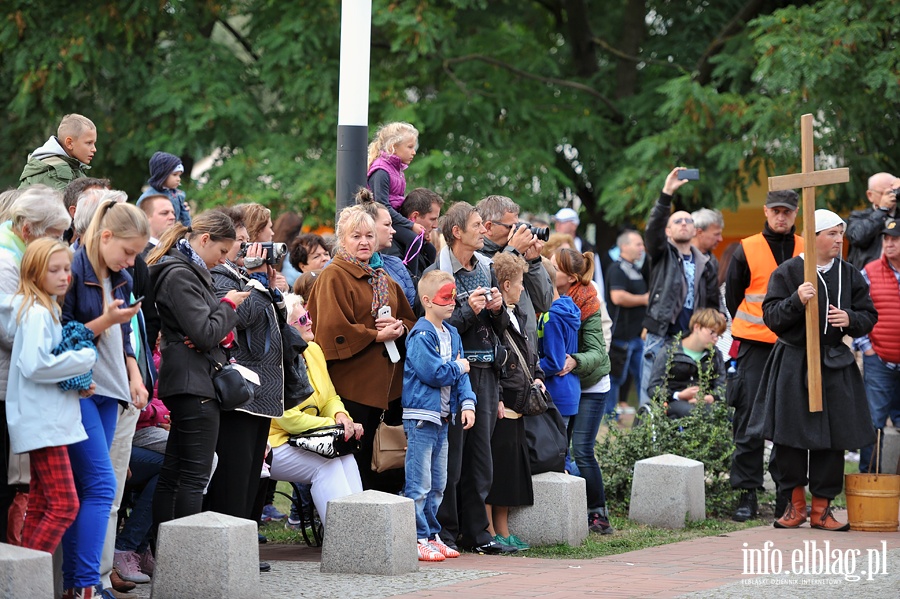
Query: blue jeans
{"x":95,"y":481}
{"x":145,"y":466}
{"x":584,"y":436}
{"x":426,"y":472}
{"x":653,"y":344}
{"x":633,"y":365}
{"x":883,"y":392}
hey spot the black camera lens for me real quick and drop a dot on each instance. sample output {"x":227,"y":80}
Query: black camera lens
{"x":542,"y":233}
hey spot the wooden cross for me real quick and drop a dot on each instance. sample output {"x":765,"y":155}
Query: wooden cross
{"x":809,"y":178}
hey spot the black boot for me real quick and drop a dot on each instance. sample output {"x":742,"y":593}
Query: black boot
{"x":782,"y":499}
{"x":747,"y":507}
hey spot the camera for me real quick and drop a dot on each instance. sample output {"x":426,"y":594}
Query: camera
{"x":488,"y":296}
{"x":274,"y":251}
{"x":542,"y":233}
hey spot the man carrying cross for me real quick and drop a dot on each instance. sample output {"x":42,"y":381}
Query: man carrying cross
{"x":806,"y":440}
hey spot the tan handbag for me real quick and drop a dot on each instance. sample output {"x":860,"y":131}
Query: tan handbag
{"x":388,"y":447}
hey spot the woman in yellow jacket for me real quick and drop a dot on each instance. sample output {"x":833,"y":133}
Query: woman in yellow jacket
{"x":330,"y":478}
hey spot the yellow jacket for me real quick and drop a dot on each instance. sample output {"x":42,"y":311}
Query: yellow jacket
{"x":318,"y":410}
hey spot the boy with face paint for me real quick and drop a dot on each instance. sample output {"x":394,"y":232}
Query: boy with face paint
{"x":435,"y":387}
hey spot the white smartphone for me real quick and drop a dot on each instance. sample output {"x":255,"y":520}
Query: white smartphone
{"x":393,"y":352}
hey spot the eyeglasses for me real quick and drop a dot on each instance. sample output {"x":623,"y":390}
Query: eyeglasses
{"x":683,"y":221}
{"x":303,"y":321}
{"x":712,"y":332}
{"x":498,"y":223}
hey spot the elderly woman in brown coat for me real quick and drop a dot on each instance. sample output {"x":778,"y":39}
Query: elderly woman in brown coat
{"x":345,"y":304}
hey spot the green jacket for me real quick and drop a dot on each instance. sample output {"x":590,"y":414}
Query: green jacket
{"x":50,"y":165}
{"x":592,"y":359}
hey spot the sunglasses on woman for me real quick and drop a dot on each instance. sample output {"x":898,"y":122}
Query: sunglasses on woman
{"x":303,"y":321}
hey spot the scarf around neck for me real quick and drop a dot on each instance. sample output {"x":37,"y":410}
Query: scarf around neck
{"x":378,"y":278}
{"x":185,"y":248}
{"x":585,"y":297}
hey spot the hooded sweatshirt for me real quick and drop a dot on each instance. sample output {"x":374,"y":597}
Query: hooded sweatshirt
{"x":50,"y":165}
{"x":558,"y":336}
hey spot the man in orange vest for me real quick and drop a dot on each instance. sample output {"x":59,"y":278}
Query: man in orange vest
{"x":746,"y":283}
{"x":881,"y":347}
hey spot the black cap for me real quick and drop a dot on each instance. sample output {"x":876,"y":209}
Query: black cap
{"x":786,"y":198}
{"x":891,"y":228}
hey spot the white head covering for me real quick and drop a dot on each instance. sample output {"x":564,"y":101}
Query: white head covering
{"x":825,"y":219}
{"x":566,"y":215}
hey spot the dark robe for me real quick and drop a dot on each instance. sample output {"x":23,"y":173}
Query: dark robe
{"x":781,"y":410}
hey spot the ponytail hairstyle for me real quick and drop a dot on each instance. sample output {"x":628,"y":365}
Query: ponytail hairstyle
{"x":572,"y":263}
{"x":124,"y":221}
{"x":35,"y":263}
{"x":214,"y":223}
{"x":388,"y":137}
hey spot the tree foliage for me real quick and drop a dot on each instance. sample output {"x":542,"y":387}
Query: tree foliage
{"x":544,"y":101}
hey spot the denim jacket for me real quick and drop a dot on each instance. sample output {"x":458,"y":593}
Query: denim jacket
{"x":84,"y":300}
{"x":424,"y":373}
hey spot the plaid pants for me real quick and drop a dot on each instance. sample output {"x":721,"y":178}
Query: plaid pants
{"x":52,"y":499}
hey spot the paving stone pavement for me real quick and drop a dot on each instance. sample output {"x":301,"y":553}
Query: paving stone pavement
{"x":705,"y":568}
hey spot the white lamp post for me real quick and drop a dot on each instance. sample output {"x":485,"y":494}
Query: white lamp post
{"x":353,"y":99}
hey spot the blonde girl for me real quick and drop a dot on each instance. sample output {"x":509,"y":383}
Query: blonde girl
{"x":390,"y":153}
{"x":99,"y":298}
{"x":43,"y":418}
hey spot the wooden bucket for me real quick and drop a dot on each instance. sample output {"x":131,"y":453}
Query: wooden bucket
{"x":873,"y":500}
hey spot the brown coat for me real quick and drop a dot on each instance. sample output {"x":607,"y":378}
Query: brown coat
{"x":341,"y":308}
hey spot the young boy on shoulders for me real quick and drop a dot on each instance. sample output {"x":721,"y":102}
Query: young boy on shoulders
{"x":436,"y":388}
{"x":64,"y":157}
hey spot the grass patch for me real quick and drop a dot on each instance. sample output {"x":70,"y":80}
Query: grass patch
{"x":630,"y":536}
{"x":275,"y":532}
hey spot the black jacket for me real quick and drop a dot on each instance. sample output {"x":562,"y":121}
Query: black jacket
{"x":188,"y":307}
{"x":685,"y":372}
{"x":514,"y":383}
{"x":258,"y":331}
{"x":780,"y":411}
{"x":864,"y":234}
{"x":667,"y":282}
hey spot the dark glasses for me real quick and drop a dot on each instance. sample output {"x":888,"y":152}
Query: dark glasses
{"x":303,"y":321}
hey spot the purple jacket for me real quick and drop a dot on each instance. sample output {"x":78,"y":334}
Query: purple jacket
{"x":394,"y":167}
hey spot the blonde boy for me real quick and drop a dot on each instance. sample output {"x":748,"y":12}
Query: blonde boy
{"x":64,"y":157}
{"x":436,"y":388}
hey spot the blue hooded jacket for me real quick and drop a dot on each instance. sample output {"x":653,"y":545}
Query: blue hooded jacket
{"x":558,"y":336}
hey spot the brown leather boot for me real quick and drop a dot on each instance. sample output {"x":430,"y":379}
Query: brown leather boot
{"x":795,"y":512}
{"x":822,"y":516}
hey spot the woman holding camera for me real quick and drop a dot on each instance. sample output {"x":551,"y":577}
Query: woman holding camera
{"x":243,"y":432}
{"x":346,"y":307}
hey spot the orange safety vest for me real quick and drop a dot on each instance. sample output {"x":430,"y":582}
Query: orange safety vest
{"x":748,"y":321}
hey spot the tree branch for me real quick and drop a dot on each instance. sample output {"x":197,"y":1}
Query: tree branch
{"x":616,"y":52}
{"x":703,"y":69}
{"x":552,"y":80}
{"x":240,"y":39}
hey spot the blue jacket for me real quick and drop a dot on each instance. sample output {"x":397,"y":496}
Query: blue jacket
{"x":179,"y":203}
{"x":397,"y":271}
{"x":558,"y":336}
{"x":84,"y":299}
{"x":424,"y":373}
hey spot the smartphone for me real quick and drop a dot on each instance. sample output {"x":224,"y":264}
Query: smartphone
{"x":136,"y":301}
{"x":691,"y":174}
